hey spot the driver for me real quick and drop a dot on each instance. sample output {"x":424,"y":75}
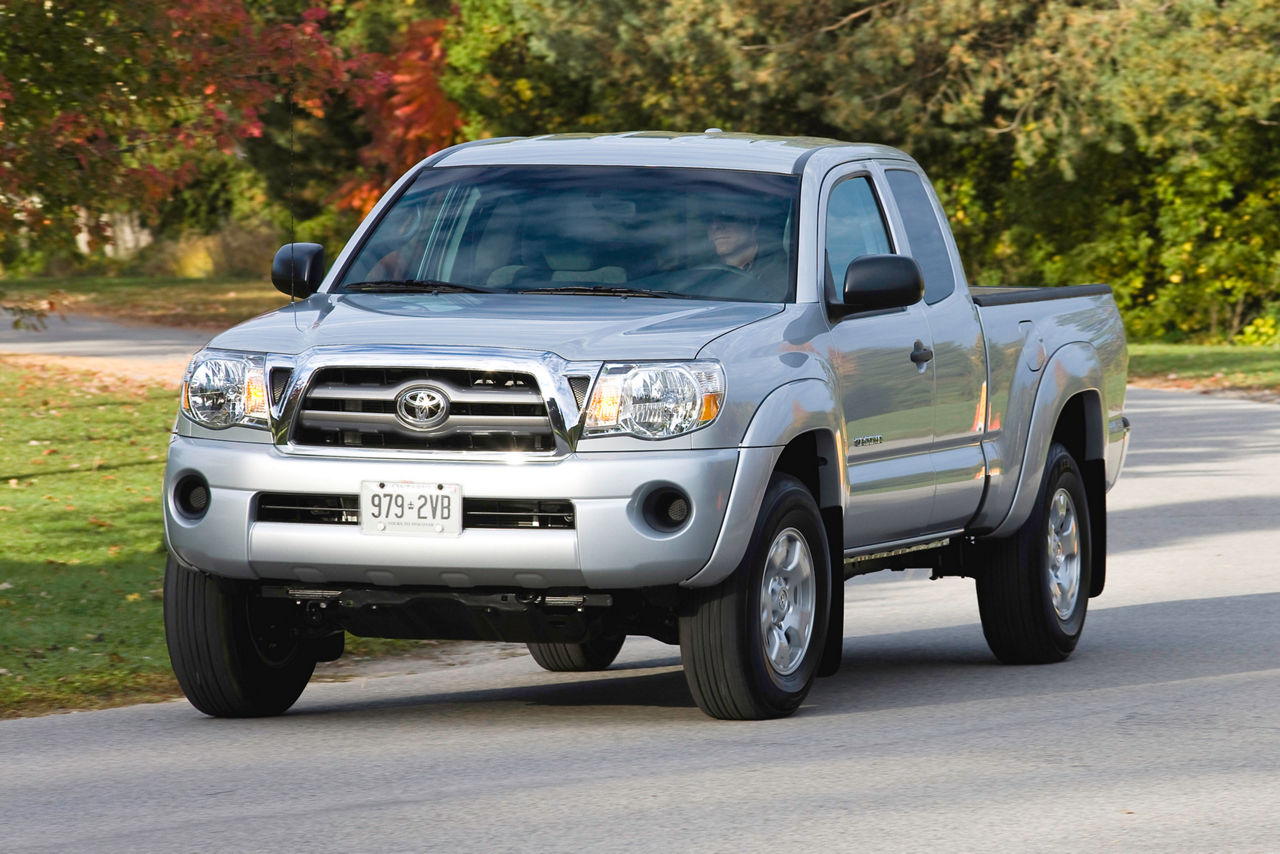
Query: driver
{"x":736,"y":240}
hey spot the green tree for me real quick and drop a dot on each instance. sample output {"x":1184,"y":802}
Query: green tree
{"x":1071,"y":141}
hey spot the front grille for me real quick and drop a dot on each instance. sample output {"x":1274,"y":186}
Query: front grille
{"x":514,"y":513}
{"x":279,"y":379}
{"x":579,"y":385}
{"x":488,"y":411}
{"x":508,"y":513}
{"x":308,"y":509}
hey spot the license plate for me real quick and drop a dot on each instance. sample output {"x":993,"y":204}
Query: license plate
{"x":404,"y":507}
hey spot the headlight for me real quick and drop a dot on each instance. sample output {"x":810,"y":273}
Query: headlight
{"x":224,"y":389}
{"x":657,"y":400}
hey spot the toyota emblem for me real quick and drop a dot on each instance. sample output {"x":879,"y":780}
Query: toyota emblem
{"x":422,"y":407}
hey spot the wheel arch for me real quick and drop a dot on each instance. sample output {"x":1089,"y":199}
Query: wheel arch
{"x":1070,"y":385}
{"x":1068,"y":410}
{"x":795,"y":430}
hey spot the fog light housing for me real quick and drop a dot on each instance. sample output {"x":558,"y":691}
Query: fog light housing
{"x":191,"y":496}
{"x":667,"y":509}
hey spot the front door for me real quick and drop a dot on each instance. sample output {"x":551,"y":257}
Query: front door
{"x":959,"y":355}
{"x":887,"y":397}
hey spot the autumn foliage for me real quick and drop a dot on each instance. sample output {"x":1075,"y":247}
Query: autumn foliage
{"x":409,"y":115}
{"x":104,"y":106}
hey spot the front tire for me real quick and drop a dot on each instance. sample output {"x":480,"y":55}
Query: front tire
{"x":1033,"y":591}
{"x":594,"y":654}
{"x":235,"y":654}
{"x":751,"y":644}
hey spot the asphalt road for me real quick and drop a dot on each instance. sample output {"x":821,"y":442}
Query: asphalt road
{"x":82,"y":335}
{"x":1161,"y":733}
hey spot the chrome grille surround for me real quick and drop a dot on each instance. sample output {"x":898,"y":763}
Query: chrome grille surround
{"x":547,"y":406}
{"x":468,"y":410}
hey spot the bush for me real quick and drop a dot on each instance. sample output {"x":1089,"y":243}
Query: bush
{"x":235,"y":250}
{"x":1261,"y":332}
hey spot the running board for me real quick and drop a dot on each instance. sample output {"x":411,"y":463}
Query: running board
{"x":905,"y":550}
{"x":942,"y":555}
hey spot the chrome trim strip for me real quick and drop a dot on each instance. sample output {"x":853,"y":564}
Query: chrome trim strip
{"x":336,"y":391}
{"x":453,"y":425}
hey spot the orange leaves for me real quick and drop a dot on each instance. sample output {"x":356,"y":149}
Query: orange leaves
{"x":410,"y":116}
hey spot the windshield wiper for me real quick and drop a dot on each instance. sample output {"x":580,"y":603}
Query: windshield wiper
{"x":605,"y":290}
{"x":424,"y":286}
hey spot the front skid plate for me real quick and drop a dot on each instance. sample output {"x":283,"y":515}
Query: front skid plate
{"x":524,"y":616}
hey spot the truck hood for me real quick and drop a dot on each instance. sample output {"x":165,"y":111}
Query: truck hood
{"x":576,"y":328}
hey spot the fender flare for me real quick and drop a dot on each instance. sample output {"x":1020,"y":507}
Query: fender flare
{"x":1072,"y":370}
{"x":790,"y":410}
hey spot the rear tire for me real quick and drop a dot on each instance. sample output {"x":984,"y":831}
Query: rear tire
{"x":751,"y":644}
{"x":235,"y":654}
{"x":594,"y":654}
{"x":1033,"y":587}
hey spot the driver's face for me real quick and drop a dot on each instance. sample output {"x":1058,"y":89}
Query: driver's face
{"x":730,"y":236}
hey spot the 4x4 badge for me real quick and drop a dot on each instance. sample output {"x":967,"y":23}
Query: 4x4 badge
{"x":422,"y":407}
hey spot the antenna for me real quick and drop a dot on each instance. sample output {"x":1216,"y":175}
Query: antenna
{"x":293,"y":235}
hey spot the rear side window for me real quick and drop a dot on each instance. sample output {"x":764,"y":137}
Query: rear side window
{"x":928,"y":246}
{"x":855,"y":228}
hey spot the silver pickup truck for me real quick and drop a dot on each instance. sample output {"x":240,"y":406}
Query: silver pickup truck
{"x":566,"y":389}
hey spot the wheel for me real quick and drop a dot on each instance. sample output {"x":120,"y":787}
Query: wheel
{"x":235,"y":654}
{"x":594,"y":654}
{"x":751,"y":644}
{"x":1033,"y":591}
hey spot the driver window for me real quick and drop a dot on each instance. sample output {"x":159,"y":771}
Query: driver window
{"x":855,"y":227}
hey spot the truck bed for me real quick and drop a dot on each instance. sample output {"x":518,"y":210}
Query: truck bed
{"x":1027,"y":330}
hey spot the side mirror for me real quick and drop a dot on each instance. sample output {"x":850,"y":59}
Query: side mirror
{"x":882,"y":281}
{"x":298,"y":269}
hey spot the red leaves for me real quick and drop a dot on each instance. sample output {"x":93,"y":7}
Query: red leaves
{"x":168,"y":81}
{"x":410,"y":116}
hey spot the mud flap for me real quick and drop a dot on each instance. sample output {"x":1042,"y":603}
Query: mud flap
{"x":1095,"y":485}
{"x":833,"y":648}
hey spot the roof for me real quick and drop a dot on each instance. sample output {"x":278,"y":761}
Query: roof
{"x":711,"y":149}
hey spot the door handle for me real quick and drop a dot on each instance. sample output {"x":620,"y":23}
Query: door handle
{"x":921,"y":353}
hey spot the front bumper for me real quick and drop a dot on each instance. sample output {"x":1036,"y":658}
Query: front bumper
{"x":610,"y":547}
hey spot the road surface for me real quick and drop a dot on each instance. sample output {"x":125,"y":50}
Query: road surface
{"x":94,"y":337}
{"x":1161,"y":733}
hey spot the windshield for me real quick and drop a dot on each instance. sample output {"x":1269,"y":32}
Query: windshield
{"x":628,"y":231}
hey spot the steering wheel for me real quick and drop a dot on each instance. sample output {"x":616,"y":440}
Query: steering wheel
{"x":714,"y":286}
{"x":725,"y":268}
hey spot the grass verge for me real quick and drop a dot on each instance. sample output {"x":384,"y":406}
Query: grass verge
{"x":1205,"y":366}
{"x":81,"y":550}
{"x":196,"y":303}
